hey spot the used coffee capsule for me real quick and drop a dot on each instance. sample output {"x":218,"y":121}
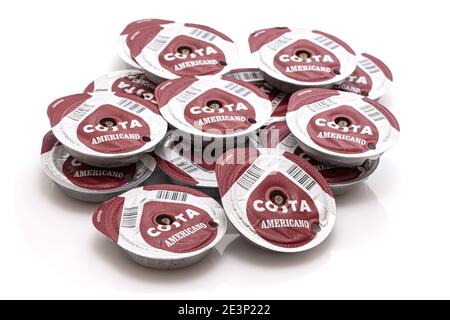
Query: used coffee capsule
{"x":122,"y":46}
{"x":163,"y":226}
{"x":105,"y":129}
{"x":124,"y":83}
{"x":213,"y":107}
{"x":87,"y":183}
{"x":275,"y":199}
{"x":341,"y":128}
{"x":372,"y":78}
{"x":340,"y":179}
{"x":171,"y":50}
{"x":292,"y":59}
{"x":280,"y":100}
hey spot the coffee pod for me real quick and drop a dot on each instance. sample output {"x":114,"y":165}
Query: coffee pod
{"x":124,"y":83}
{"x":87,"y":183}
{"x":292,"y":59}
{"x":275,"y":199}
{"x":279,"y":100}
{"x":163,"y":226}
{"x":187,"y":167}
{"x":340,"y":179}
{"x":171,"y":50}
{"x":372,"y":78}
{"x":122,"y":46}
{"x":105,"y":129}
{"x":213,"y":108}
{"x":340,"y":128}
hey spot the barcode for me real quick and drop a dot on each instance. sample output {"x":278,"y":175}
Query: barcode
{"x":81,"y":111}
{"x":171,"y":195}
{"x":247,"y":76}
{"x":131,"y":105}
{"x":278,"y":43}
{"x":372,"y":112}
{"x":290,"y":141}
{"x":205,"y":35}
{"x":369,"y":66}
{"x":250,"y":177}
{"x":188,"y":94}
{"x":238,"y":89}
{"x":327,"y":42}
{"x":129,"y":217}
{"x":324,"y":104}
{"x":157,"y":43}
{"x":185,"y":165}
{"x":302,"y":177}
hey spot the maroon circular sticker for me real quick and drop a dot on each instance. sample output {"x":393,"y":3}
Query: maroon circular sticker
{"x":162,"y":222}
{"x":302,"y":57}
{"x":341,"y":128}
{"x":276,"y":199}
{"x":213,"y":106}
{"x":124,"y":83}
{"x":105,"y":124}
{"x":172,"y":50}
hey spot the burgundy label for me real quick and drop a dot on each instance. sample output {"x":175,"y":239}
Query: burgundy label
{"x":327,"y":131}
{"x":190,"y":229}
{"x":108,"y":216}
{"x":186,"y":56}
{"x":308,"y":62}
{"x":359,"y":82}
{"x":112,"y":130}
{"x":137,"y":85}
{"x":95,"y":178}
{"x":288,"y":224}
{"x":259,"y":38}
{"x":217,"y":111}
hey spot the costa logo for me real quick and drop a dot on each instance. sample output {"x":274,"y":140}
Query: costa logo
{"x":185,"y":53}
{"x":179,"y":219}
{"x":217,"y":108}
{"x":305,"y":58}
{"x":344,"y":126}
{"x":108,"y":126}
{"x":301,"y":206}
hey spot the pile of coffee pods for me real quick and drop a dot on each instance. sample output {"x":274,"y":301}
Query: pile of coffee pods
{"x":265,"y":148}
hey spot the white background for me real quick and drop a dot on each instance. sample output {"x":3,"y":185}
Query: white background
{"x":392,"y":235}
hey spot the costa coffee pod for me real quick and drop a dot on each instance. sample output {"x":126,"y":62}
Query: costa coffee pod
{"x":340,"y":179}
{"x":292,"y":59}
{"x":87,"y":183}
{"x":186,"y":167}
{"x":340,"y":128}
{"x":372,"y":78}
{"x":122,"y":46}
{"x":280,"y":100}
{"x":189,"y":166}
{"x":163,"y":226}
{"x":275,"y":199}
{"x":124,"y":83}
{"x":171,"y":50}
{"x":105,"y":129}
{"x":213,"y":107}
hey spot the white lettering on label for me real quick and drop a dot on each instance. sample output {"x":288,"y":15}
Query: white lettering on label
{"x":284,"y":223}
{"x":202,"y":52}
{"x":312,"y":59}
{"x":226,"y":108}
{"x":294,"y":205}
{"x":179,"y":219}
{"x":89,"y":128}
{"x":350,"y":129}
